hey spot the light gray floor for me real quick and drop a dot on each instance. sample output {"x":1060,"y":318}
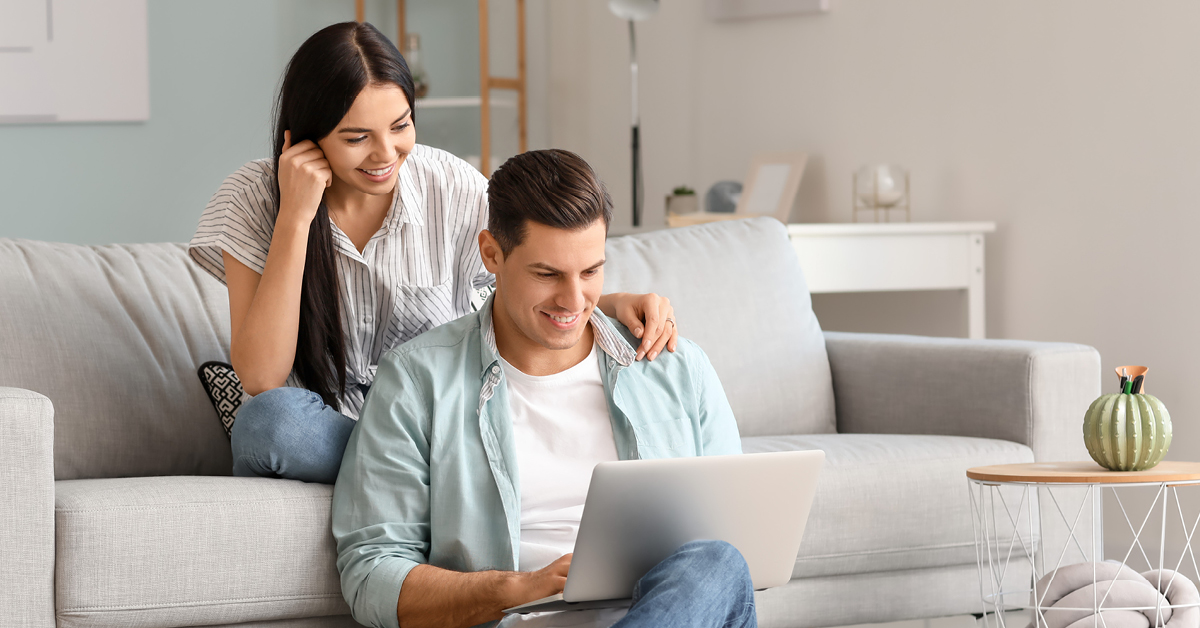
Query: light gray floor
{"x":1013,"y":618}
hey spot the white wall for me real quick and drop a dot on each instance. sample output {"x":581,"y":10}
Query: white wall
{"x":1074,"y":124}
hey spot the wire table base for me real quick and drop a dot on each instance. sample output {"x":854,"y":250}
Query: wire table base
{"x":1033,"y":520}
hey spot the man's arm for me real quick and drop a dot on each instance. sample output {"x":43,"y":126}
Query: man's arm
{"x":381,"y":499}
{"x":719,"y":430}
{"x":438,"y":597}
{"x":381,"y":520}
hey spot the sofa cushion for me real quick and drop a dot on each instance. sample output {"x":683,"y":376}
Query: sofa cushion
{"x":738,"y":292}
{"x":113,"y":336}
{"x":890,"y":502}
{"x":193,"y":551}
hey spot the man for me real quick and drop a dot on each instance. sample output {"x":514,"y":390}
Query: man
{"x":463,"y":483}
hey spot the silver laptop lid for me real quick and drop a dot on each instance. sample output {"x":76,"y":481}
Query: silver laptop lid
{"x":638,"y":512}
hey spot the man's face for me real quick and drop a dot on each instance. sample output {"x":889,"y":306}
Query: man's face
{"x":549,"y":284}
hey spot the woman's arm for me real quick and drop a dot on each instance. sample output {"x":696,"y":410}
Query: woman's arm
{"x":264,"y":311}
{"x":649,"y":310}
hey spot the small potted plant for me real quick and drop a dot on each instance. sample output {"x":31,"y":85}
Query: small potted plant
{"x":682,"y":201}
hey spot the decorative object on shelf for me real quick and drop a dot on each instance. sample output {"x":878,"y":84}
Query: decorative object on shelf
{"x":412,"y":54}
{"x":1129,"y":430}
{"x":881,"y":188}
{"x":682,"y":201}
{"x":772,"y":184}
{"x":723,"y":197}
{"x":771,"y":187}
{"x":748,"y":9}
{"x":635,"y":11}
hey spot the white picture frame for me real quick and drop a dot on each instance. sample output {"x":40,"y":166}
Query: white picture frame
{"x":771,"y":185}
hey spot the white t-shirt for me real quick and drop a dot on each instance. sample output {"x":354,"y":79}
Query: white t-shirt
{"x":562,"y":430}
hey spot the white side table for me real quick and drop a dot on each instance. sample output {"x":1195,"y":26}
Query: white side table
{"x":877,"y":257}
{"x":1032,"y":519}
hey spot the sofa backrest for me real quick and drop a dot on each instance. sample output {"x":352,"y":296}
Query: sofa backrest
{"x":738,"y":292}
{"x":113,"y":336}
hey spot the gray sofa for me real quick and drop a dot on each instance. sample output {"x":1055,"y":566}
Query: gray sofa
{"x":117,"y":509}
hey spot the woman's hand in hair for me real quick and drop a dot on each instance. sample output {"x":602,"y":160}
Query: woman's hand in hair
{"x":303,"y":176}
{"x":649,"y":316}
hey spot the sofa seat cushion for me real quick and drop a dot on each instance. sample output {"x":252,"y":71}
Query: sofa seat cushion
{"x":889,"y":502}
{"x":193,"y":551}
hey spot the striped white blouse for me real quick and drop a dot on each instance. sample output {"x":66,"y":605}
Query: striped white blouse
{"x":420,"y":270}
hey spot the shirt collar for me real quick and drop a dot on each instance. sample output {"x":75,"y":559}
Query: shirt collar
{"x":607,"y":337}
{"x":405,"y":208}
{"x":407,"y":203}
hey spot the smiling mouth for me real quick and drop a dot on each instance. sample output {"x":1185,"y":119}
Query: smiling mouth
{"x":563,"y":323}
{"x":380,"y":172}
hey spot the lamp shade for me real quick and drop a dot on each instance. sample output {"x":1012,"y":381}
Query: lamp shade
{"x":634,"y":10}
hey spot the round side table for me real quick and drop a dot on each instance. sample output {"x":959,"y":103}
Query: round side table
{"x":1030,"y":520}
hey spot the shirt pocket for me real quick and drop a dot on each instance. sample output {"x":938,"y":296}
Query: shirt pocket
{"x":418,"y":309}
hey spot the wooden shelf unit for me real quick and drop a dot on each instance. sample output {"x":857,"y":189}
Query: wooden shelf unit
{"x":487,"y":82}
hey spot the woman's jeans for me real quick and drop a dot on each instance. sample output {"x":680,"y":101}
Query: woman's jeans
{"x":704,"y":583}
{"x":289,"y":433}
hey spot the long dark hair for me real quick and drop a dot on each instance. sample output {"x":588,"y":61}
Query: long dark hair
{"x":320,"y":83}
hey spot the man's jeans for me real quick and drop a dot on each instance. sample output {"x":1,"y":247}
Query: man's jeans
{"x":704,"y":583}
{"x":289,"y":433}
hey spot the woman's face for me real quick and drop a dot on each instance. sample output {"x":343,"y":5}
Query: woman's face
{"x":366,"y":148}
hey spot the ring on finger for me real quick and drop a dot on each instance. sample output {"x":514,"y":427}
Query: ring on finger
{"x":670,"y":320}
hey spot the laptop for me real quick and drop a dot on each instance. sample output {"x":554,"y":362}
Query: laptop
{"x":638,"y":512}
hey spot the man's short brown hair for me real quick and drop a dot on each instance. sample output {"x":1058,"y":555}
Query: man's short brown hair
{"x":553,"y":187}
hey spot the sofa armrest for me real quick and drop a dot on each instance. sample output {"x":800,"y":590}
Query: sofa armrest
{"x":26,"y":508}
{"x":1033,"y":393}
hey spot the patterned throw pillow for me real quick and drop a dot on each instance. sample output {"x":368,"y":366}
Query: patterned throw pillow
{"x":224,"y":391}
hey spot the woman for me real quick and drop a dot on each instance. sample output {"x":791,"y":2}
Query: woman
{"x":350,"y":241}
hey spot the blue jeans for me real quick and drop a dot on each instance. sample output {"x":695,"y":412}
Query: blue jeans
{"x":289,"y":433}
{"x":704,"y":583}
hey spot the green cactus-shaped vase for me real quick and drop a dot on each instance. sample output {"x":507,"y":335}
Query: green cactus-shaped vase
{"x":1125,"y":432}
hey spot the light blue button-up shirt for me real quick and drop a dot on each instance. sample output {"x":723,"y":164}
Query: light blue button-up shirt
{"x":430,"y":471}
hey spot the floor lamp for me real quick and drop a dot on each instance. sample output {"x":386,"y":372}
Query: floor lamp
{"x":635,"y":11}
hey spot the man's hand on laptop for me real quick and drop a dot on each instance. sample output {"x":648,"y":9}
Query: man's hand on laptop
{"x":547,"y":581}
{"x":432,"y":596}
